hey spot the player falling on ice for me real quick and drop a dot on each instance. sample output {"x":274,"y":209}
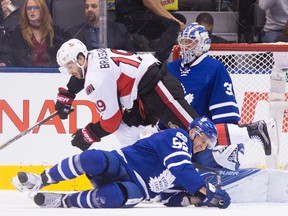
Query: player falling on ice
{"x":160,"y":164}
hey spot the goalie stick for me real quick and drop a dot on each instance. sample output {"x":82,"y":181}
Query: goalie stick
{"x":27,"y":131}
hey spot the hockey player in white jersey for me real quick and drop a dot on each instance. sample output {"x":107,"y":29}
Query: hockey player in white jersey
{"x":160,"y":164}
{"x":209,"y":90}
{"x":126,"y":89}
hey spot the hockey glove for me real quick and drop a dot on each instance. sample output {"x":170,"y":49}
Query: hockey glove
{"x":64,"y":103}
{"x":215,"y":197}
{"x":84,"y":138}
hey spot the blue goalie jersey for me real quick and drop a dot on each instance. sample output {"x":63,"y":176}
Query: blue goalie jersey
{"x":208,"y":88}
{"x":162,"y":162}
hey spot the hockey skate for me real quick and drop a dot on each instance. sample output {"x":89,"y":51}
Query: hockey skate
{"x":25,"y":181}
{"x":51,"y":200}
{"x":258,"y":130}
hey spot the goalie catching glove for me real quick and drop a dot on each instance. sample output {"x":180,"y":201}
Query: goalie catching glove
{"x":215,"y":197}
{"x":64,"y":102}
{"x":85,"y":137}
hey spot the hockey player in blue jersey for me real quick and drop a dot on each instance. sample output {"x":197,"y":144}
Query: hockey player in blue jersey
{"x":209,"y":90}
{"x":160,"y":164}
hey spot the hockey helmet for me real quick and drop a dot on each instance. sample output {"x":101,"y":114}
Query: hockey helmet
{"x":69,"y":51}
{"x":205,"y":126}
{"x":194,"y":41}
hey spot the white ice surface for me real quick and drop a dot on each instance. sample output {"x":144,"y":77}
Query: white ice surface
{"x":14,"y":203}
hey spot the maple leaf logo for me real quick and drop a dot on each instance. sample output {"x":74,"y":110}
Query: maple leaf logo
{"x":189,"y":98}
{"x":162,"y":182}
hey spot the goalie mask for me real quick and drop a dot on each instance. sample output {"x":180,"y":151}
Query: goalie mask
{"x":194,"y":41}
{"x":68,"y":53}
{"x":205,"y":127}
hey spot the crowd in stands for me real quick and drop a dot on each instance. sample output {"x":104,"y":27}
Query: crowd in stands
{"x":276,"y":13}
{"x":30,"y":37}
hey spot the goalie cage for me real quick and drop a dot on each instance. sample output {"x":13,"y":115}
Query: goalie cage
{"x":250,"y":67}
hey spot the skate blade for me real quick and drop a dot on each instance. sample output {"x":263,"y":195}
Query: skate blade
{"x":18,"y":185}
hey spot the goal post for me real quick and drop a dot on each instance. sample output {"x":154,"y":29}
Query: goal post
{"x":259,"y":75}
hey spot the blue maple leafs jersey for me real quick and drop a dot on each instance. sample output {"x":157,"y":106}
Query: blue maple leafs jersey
{"x":208,"y":88}
{"x":162,"y":162}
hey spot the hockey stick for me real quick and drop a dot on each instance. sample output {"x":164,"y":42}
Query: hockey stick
{"x":27,"y":131}
{"x":196,"y":200}
{"x":208,"y":169}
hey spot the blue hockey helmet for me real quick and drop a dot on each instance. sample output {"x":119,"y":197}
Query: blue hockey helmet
{"x":194,"y":41}
{"x":205,"y":126}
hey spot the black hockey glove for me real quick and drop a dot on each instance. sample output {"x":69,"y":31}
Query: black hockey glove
{"x":64,"y":103}
{"x":84,"y":138}
{"x":215,"y":197}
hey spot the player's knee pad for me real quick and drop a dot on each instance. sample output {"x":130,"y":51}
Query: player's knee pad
{"x":229,"y":157}
{"x":93,"y":161}
{"x":114,"y":172}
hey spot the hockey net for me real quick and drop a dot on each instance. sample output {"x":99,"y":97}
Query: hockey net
{"x":250,"y":67}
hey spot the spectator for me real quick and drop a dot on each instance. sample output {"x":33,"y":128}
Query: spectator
{"x":4,"y":48}
{"x":35,"y":40}
{"x":283,"y":37}
{"x":4,"y":42}
{"x":206,"y":19}
{"x":276,"y":14}
{"x":118,"y":36}
{"x":7,"y":7}
{"x":150,"y":19}
{"x":49,"y":4}
{"x":249,"y":21}
{"x":10,"y":12}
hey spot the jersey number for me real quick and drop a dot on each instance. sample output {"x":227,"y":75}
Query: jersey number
{"x":118,"y":60}
{"x":179,"y":142}
{"x":228,"y":87}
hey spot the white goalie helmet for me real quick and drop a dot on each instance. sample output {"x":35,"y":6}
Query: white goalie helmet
{"x":194,"y":41}
{"x":69,"y":51}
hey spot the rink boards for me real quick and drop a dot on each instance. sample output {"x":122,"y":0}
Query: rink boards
{"x":27,"y":98}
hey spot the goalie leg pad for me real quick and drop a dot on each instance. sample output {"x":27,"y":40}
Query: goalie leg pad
{"x":229,"y":157}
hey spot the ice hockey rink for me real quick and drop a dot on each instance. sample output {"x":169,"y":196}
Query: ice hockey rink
{"x":14,"y":203}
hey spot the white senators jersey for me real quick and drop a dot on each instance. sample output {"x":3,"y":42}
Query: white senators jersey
{"x":112,"y":80}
